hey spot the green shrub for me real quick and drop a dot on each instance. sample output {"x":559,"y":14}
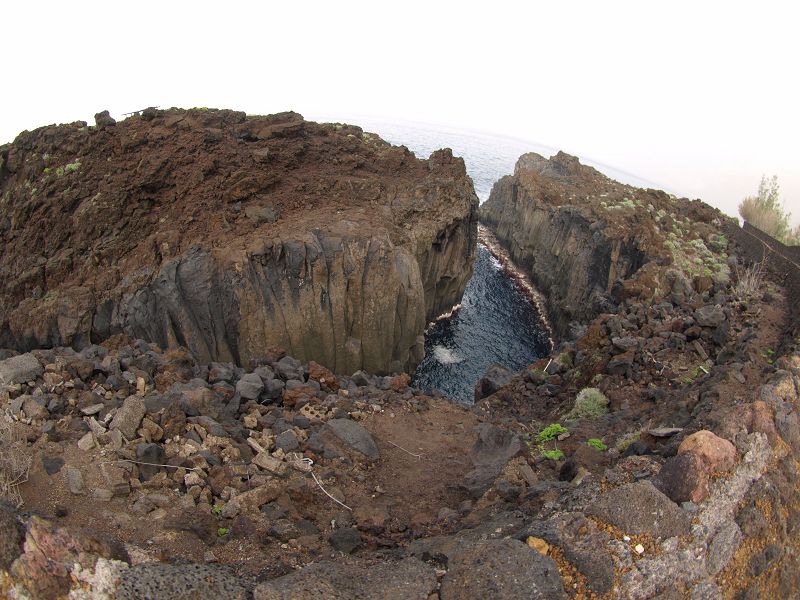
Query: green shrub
{"x":553,"y":454}
{"x":551,"y":432}
{"x":589,"y":403}
{"x":597,"y":444}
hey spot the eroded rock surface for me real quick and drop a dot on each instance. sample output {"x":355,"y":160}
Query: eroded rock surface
{"x":229,"y":234}
{"x":588,"y":241}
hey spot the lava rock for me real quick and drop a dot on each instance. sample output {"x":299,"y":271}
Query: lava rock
{"x":10,"y":537}
{"x":710,"y":316}
{"x":723,"y":546}
{"x":361,"y":379}
{"x":639,"y":508}
{"x":620,"y":364}
{"x":716,"y":453}
{"x":52,"y":464}
{"x":74,"y":481}
{"x":289,"y":368}
{"x":34,"y":407}
{"x":502,"y":570}
{"x":129,"y":416}
{"x":347,"y":539}
{"x":20,"y":369}
{"x":176,"y":582}
{"x":583,"y":544}
{"x":354,"y":436}
{"x":149,"y":453}
{"x":250,"y":386}
{"x":287,"y":441}
{"x":261,"y":214}
{"x":683,"y":478}
{"x":408,"y":579}
{"x":495,"y":377}
{"x":493,"y":449}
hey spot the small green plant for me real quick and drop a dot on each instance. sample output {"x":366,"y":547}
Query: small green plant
{"x":597,"y":444}
{"x":553,"y":454}
{"x":68,"y":168}
{"x":551,"y":432}
{"x":223,"y":531}
{"x":694,"y":373}
{"x":589,"y":403}
{"x":217,"y":508}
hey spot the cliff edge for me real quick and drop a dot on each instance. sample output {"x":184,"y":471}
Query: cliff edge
{"x":228,"y":234}
{"x":589,"y":242}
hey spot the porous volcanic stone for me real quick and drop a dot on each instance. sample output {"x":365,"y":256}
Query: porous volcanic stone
{"x":178,"y":582}
{"x":354,"y":436}
{"x":129,"y":416}
{"x":684,"y":478}
{"x":408,"y":579}
{"x":10,"y":537}
{"x":346,"y":539}
{"x":718,"y":454}
{"x":250,"y":386}
{"x":723,"y":547}
{"x":709,"y":316}
{"x":20,"y":369}
{"x":639,"y":508}
{"x":502,"y":570}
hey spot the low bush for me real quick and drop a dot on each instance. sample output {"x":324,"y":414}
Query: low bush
{"x":589,"y":404}
{"x":766,"y":212}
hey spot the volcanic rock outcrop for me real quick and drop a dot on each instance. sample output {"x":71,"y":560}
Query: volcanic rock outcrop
{"x":588,"y":241}
{"x":230,"y":234}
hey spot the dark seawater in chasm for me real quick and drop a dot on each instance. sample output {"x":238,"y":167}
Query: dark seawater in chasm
{"x":497,"y":323}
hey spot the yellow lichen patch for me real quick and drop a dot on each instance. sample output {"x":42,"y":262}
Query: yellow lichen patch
{"x":538,"y":544}
{"x":575,"y":583}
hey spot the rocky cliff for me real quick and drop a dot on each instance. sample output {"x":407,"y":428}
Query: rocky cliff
{"x":230,"y":234}
{"x":587,"y":240}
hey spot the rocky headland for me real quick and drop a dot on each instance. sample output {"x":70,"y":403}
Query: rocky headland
{"x":652,"y":455}
{"x":228,"y":234}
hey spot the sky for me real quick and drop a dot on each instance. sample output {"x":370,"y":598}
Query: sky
{"x":701,"y":98}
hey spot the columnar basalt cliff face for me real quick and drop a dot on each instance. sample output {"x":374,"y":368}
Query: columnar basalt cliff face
{"x":586,"y":239}
{"x":229,"y":234}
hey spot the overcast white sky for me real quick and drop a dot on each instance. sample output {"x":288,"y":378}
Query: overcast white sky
{"x":702,"y":97}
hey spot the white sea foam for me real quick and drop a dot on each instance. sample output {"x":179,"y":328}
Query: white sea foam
{"x":446,"y":356}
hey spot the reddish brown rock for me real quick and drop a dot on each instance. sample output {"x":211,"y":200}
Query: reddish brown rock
{"x":763,"y":420}
{"x":371,"y":519}
{"x":292,"y":396}
{"x":683,"y":478}
{"x":718,"y":454}
{"x":400,"y":382}
{"x":49,"y":554}
{"x":323,"y":376}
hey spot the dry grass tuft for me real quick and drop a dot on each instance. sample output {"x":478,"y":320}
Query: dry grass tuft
{"x":15,"y":462}
{"x":749,"y":279}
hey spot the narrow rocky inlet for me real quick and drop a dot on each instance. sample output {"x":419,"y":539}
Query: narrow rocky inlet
{"x":496,"y":323}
